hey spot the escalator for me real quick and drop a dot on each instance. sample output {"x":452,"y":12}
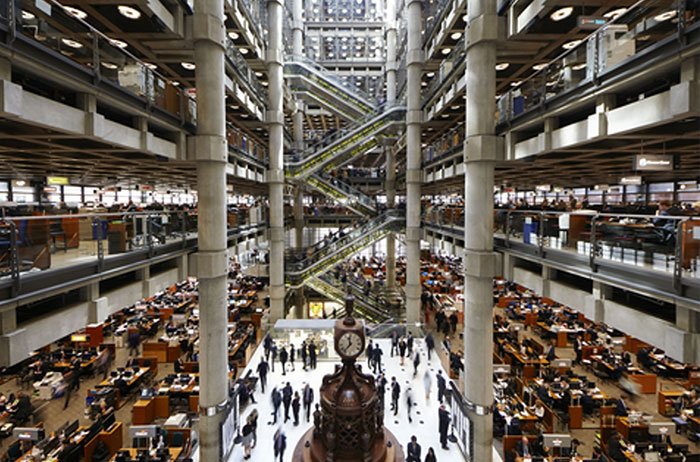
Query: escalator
{"x":366,"y":307}
{"x":300,"y":269}
{"x":350,"y":197}
{"x":308,"y":79}
{"x":342,"y":147}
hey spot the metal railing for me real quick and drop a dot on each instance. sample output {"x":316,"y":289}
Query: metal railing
{"x":645,"y":25}
{"x":108,"y":59}
{"x":43,"y":242}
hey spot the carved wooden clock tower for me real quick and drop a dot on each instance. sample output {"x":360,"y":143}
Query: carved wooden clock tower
{"x":350,"y":424}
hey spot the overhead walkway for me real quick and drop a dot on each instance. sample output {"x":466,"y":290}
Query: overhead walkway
{"x":311,"y":80}
{"x":300,"y":269}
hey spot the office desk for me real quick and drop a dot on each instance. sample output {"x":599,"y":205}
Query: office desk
{"x":625,"y":427}
{"x":143,"y":412}
{"x":109,"y":382}
{"x":133,"y":452}
{"x":665,"y":395}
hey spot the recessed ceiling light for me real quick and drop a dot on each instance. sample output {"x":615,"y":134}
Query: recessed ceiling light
{"x":456,"y":35}
{"x":72,"y":43}
{"x":233,"y":35}
{"x":151,"y":66}
{"x":571,"y":44}
{"x":562,"y":13}
{"x":539,"y":67}
{"x":78,"y":13}
{"x":188,"y":66}
{"x":424,"y":84}
{"x":455,"y":106}
{"x":118,"y":43}
{"x":27,"y":16}
{"x":175,"y":84}
{"x":129,"y":12}
{"x":502,"y":66}
{"x":430,"y":75}
{"x":614,"y":14}
{"x":244,"y":51}
{"x":258,"y":74}
{"x":578,"y":67}
{"x":264,"y":83}
{"x":109,"y":65}
{"x":665,"y":16}
{"x":465,"y":18}
{"x":515,"y":84}
{"x":446,"y":51}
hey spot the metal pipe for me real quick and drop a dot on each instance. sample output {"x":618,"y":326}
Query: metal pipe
{"x":209,"y":52}
{"x":413,"y":161}
{"x":275,"y":173}
{"x":480,"y":258}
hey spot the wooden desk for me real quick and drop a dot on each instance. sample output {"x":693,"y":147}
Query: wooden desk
{"x":109,"y":382}
{"x":174,"y":453}
{"x":623,"y":425}
{"x":647,"y":382}
{"x":144,"y":412}
{"x":663,"y":396}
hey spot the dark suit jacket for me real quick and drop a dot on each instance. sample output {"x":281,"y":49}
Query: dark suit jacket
{"x":520,"y":449}
{"x":621,"y":409}
{"x":550,"y":353}
{"x":615,"y":450}
{"x":413,"y":452}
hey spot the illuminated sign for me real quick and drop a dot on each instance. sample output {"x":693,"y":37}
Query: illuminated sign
{"x":543,"y":187}
{"x":56,"y":180}
{"x":79,"y":338}
{"x":591,"y":22}
{"x":651,"y":162}
{"x":634,"y":180}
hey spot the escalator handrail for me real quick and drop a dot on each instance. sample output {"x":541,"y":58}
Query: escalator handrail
{"x":348,"y":190}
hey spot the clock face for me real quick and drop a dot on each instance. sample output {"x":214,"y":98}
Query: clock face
{"x":350,"y":344}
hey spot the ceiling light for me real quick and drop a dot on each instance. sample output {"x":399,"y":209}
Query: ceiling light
{"x":456,"y":35}
{"x":258,"y":74}
{"x":465,"y":18}
{"x":151,"y":66}
{"x":233,"y":35}
{"x":571,"y":44}
{"x":562,"y":13}
{"x":264,"y":83}
{"x":665,"y":16}
{"x":27,"y":16}
{"x":430,"y":75}
{"x":424,"y":84}
{"x":578,"y":67}
{"x":446,"y":51}
{"x":455,"y":106}
{"x":118,"y":43}
{"x":515,"y":84}
{"x":244,"y":51}
{"x":109,"y":65}
{"x":129,"y":12}
{"x":175,"y":84}
{"x":188,"y":66}
{"x":78,"y":13}
{"x":72,"y":43}
{"x":502,"y":66}
{"x":614,"y":14}
{"x":539,"y":67}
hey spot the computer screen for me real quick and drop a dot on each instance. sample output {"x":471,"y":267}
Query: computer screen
{"x":72,"y":428}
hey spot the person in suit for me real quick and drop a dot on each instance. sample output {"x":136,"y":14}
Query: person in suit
{"x":395,"y":393}
{"x":283,"y":359}
{"x":263,"y":368}
{"x":443,"y":425}
{"x":551,"y":353}
{"x":522,"y":447}
{"x":598,"y":455}
{"x":287,"y":400}
{"x":307,"y":399}
{"x":429,"y":345}
{"x":312,"y":354}
{"x":413,"y":450}
{"x":615,"y":448}
{"x":621,"y":409}
{"x":441,"y":385}
{"x":295,"y":407}
{"x":280,"y":444}
{"x":276,"y":401}
{"x":573,"y":450}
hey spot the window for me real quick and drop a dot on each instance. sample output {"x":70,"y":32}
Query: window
{"x":72,"y":195}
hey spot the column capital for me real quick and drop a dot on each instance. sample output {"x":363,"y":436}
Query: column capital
{"x":479,"y":263}
{"x":210,"y":28}
{"x":211,"y":264}
{"x":211,"y":148}
{"x":483,"y":28}
{"x":484,"y":148}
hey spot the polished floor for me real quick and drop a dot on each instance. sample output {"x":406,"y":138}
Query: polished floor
{"x":424,"y":413}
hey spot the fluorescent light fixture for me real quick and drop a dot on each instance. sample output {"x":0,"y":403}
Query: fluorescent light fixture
{"x":571,"y":44}
{"x":502,"y":66}
{"x":233,"y":35}
{"x":109,"y":65}
{"x":430,"y":75}
{"x":665,"y":16}
{"x":614,"y":14}
{"x":258,"y":74}
{"x":446,"y":51}
{"x":78,"y":13}
{"x":539,"y":67}
{"x":244,"y":51}
{"x":456,"y":35}
{"x":72,"y":43}
{"x":27,"y":16}
{"x":118,"y":43}
{"x":151,"y":66}
{"x":562,"y":13}
{"x":129,"y":12}
{"x":516,"y":83}
{"x":188,"y":66}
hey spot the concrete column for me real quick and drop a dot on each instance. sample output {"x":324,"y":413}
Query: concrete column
{"x":413,"y":159}
{"x":182,"y":267}
{"x":598,"y":122}
{"x":8,"y":321}
{"x":87,"y":102}
{"x":298,"y":121}
{"x":211,"y":154}
{"x":480,"y":259}
{"x":548,"y":273}
{"x":390,"y":183}
{"x":275,"y":174}
{"x":297,"y":28}
{"x":299,"y":301}
{"x":687,"y":318}
{"x":5,"y":69}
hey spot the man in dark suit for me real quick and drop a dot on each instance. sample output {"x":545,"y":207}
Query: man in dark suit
{"x":550,"y":354}
{"x":615,"y":448}
{"x":443,"y":425}
{"x":413,"y":450}
{"x":442,"y":385}
{"x":522,"y":447}
{"x":280,"y":442}
{"x":621,"y":409}
{"x":395,"y":393}
{"x":308,"y":399}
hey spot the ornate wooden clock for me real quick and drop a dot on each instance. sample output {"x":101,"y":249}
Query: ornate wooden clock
{"x":350,"y":427}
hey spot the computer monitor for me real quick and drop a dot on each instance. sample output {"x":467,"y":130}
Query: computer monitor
{"x":114,"y":374}
{"x":28,"y":433}
{"x":501,"y":368}
{"x":70,"y":429}
{"x":143,"y":431}
{"x":662,"y":428}
{"x":108,"y":420}
{"x":556,"y":440}
{"x":559,"y":362}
